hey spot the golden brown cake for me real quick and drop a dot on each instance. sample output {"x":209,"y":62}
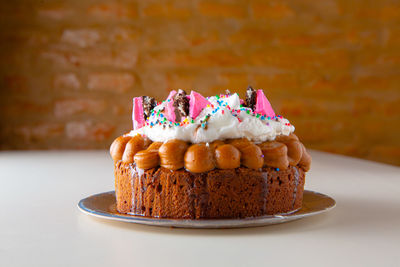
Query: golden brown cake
{"x":192,"y":157}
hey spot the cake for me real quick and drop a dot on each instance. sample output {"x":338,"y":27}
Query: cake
{"x":195,"y":157}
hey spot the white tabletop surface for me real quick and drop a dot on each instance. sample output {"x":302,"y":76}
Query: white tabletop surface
{"x":41,"y":225}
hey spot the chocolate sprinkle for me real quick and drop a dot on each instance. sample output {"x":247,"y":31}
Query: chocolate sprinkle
{"x":251,"y":96}
{"x":148,"y":105}
{"x":181,"y":104}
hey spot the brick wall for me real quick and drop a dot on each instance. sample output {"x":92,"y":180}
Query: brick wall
{"x":70,"y":68}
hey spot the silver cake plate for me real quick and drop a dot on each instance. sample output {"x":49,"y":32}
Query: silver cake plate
{"x":103,"y":205}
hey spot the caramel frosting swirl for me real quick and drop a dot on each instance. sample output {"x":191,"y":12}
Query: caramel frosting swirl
{"x":172,"y":154}
{"x":117,"y":148}
{"x":275,"y":154}
{"x":147,"y":159}
{"x":227,"y":157}
{"x":134,"y":145}
{"x":251,"y":155}
{"x":175,"y":154}
{"x":199,"y":158}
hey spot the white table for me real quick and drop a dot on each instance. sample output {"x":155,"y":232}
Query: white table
{"x":41,"y":225}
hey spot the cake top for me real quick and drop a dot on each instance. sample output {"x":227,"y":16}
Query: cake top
{"x":197,"y":119}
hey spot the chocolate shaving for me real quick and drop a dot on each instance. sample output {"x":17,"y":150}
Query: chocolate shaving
{"x":148,"y":105}
{"x":251,"y":96}
{"x":181,"y":104}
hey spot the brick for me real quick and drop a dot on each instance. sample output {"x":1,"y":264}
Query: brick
{"x":66,"y":107}
{"x":55,"y":11}
{"x":314,"y":130}
{"x":377,"y":82}
{"x":392,"y":108}
{"x":124,"y":57}
{"x":364,"y":105}
{"x":195,"y":38}
{"x":80,"y":37}
{"x":15,"y":83}
{"x":112,"y":82}
{"x":196,"y":59}
{"x":390,"y":12}
{"x":154,"y":84}
{"x":88,"y":130}
{"x":273,"y":10}
{"x":275,"y":81}
{"x":24,"y":109}
{"x":40,"y":131}
{"x":167,"y":10}
{"x":123,"y":34}
{"x":113,"y":10}
{"x":224,"y":10}
{"x":66,"y":81}
{"x":299,"y":59}
{"x":325,"y":83}
{"x":181,"y":80}
{"x":232,"y":81}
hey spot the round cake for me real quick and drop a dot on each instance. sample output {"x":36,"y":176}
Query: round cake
{"x":195,"y":157}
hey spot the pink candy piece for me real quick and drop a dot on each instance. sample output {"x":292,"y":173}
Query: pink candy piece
{"x":137,"y":113}
{"x":169,"y":109}
{"x":263,"y":106}
{"x":196,"y":104}
{"x":241,"y":102}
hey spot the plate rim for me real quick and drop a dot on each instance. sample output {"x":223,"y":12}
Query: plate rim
{"x":203,"y":223}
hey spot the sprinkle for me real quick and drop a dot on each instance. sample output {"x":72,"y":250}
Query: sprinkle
{"x":217,"y":96}
{"x":239,"y":119}
{"x":223,"y":112}
{"x":192,"y":121}
{"x":277,"y":169}
{"x":248,"y":111}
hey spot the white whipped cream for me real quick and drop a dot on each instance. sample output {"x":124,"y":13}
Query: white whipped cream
{"x":227,"y":120}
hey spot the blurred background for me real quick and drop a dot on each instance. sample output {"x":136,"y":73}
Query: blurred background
{"x":69,"y":69}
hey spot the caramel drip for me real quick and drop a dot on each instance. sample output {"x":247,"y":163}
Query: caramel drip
{"x":172,"y":154}
{"x":117,"y":148}
{"x":199,"y":158}
{"x":175,"y":154}
{"x":275,"y":155}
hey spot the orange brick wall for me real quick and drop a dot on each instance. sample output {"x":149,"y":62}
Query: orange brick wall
{"x":70,"y":68}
